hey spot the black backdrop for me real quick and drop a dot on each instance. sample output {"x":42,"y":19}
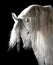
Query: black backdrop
{"x":6,"y":23}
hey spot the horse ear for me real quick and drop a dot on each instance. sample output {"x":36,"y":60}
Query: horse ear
{"x":15,"y":18}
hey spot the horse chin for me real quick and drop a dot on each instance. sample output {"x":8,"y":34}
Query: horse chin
{"x":27,"y":44}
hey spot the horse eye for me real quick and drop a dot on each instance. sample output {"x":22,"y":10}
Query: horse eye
{"x":27,"y":19}
{"x":28,"y":32}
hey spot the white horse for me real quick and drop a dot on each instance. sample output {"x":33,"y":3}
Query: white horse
{"x":35,"y":26}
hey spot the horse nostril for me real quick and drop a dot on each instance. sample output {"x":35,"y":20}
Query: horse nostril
{"x":28,"y":32}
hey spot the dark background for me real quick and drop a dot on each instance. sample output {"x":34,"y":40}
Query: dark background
{"x":6,"y":23}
